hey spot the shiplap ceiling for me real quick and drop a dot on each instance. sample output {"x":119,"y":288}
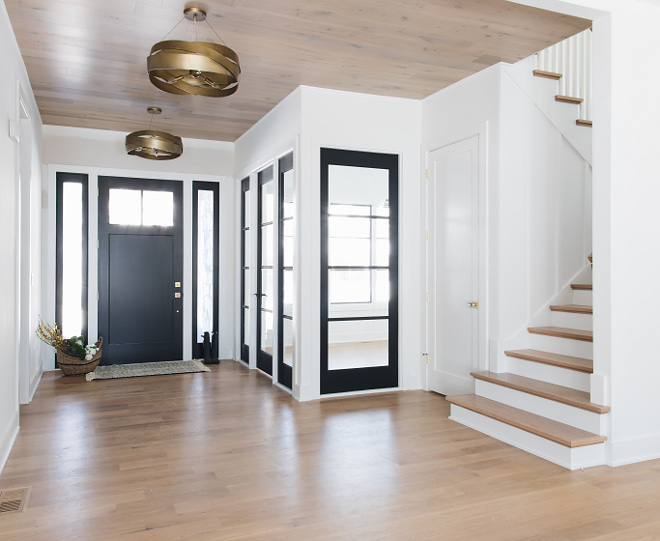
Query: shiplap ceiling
{"x":87,"y":58}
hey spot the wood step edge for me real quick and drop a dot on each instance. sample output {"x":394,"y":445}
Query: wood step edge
{"x":582,"y":287}
{"x":550,"y":391}
{"x":548,"y":429}
{"x":572,"y":308}
{"x":590,"y":257}
{"x":564,"y":332}
{"x":547,"y":74}
{"x":577,"y":364}
{"x":568,"y":99}
{"x":584,"y":123}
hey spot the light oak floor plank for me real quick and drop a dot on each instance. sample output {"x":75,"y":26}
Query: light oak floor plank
{"x":225,"y":455}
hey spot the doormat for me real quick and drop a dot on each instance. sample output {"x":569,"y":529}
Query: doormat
{"x":133,"y":370}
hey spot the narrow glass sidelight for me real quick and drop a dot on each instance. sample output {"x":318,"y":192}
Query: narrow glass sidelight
{"x":206,"y":220}
{"x":205,"y":262}
{"x":72,"y":259}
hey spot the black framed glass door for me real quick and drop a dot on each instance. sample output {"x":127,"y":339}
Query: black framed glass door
{"x":359,"y":270}
{"x":265,"y":275}
{"x":285,"y":276}
{"x":245,"y":270}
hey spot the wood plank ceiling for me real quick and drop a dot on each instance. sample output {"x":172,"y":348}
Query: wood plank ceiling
{"x":87,"y":58}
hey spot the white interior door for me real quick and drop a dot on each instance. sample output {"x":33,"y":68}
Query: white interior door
{"x":453,"y":267}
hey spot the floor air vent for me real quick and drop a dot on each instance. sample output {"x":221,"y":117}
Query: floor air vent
{"x":14,"y":501}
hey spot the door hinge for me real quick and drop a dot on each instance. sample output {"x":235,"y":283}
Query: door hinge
{"x":426,"y":356}
{"x":427,"y":173}
{"x":427,"y":235}
{"x":427,"y":296}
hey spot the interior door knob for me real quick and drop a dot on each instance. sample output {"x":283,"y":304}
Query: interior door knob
{"x":474,"y":304}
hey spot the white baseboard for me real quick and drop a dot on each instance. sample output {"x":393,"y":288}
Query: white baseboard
{"x":34,"y":384}
{"x":634,"y":450}
{"x":7,"y":441}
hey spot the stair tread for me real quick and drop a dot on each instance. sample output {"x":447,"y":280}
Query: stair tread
{"x":585,"y":287}
{"x":568,"y":99}
{"x":564,"y":332}
{"x":561,"y":433}
{"x":572,"y":308}
{"x":578,"y":364}
{"x":551,"y":391}
{"x":584,"y":123}
{"x":548,"y":74}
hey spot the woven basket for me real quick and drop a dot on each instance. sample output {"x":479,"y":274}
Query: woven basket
{"x":74,"y":366}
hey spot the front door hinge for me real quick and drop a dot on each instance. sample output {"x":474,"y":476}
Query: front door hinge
{"x":427,"y":173}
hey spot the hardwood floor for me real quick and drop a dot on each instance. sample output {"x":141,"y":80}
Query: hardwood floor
{"x":225,"y":455}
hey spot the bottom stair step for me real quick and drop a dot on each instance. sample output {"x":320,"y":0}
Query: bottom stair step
{"x":546,"y":428}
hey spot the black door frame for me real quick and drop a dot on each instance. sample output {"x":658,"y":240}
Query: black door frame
{"x":381,"y":377}
{"x":264,"y":360}
{"x":197,"y":186}
{"x":176,"y":187}
{"x":284,"y":371}
{"x":61,"y":179}
{"x":245,"y":266}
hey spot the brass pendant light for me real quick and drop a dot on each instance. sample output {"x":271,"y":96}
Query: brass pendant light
{"x":198,"y":68}
{"x":152,"y":144}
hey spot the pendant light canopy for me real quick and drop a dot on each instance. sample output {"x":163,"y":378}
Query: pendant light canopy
{"x":153,"y":144}
{"x":198,"y":68}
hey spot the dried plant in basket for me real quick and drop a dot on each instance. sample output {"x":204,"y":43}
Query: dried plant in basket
{"x":73,"y":356}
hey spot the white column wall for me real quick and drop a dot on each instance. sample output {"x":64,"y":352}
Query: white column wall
{"x":369,"y":123}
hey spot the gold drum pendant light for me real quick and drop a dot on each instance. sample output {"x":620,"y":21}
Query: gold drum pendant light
{"x":153,"y":144}
{"x":198,"y":68}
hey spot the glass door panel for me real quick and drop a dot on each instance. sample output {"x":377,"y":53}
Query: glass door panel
{"x":359,"y":271}
{"x":265,"y":255}
{"x":286,"y":285}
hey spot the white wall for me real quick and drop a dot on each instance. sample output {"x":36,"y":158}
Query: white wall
{"x":15,"y":77}
{"x":97,"y":153}
{"x":374,"y":124}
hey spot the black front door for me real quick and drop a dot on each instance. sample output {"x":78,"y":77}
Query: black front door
{"x":140,"y":270}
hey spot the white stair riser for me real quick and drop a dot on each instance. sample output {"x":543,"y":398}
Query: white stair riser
{"x":563,"y":413}
{"x":563,"y":346}
{"x":583,"y":297}
{"x":572,"y":321}
{"x":571,"y":458}
{"x":550,"y":374}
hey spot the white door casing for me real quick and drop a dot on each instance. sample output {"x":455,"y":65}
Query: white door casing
{"x":453,"y":266}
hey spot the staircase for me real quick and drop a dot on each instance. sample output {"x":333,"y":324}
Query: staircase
{"x":542,"y":403}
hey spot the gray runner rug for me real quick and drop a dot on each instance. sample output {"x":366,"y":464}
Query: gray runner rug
{"x":113,"y":371}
